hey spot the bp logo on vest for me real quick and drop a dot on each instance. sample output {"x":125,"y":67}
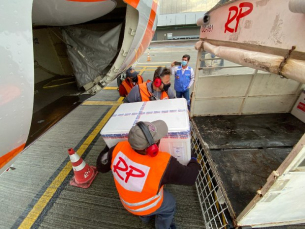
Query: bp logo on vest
{"x":129,"y":174}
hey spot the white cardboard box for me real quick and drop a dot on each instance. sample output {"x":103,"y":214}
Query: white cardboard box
{"x":172,"y":111}
{"x":299,"y":107}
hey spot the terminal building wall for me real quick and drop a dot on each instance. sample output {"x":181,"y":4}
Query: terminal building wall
{"x":183,"y":6}
{"x":177,"y":19}
{"x":191,"y":32}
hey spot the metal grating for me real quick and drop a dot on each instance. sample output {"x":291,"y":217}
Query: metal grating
{"x":212,"y":201}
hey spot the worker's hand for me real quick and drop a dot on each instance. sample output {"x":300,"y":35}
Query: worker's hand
{"x":194,"y":156}
{"x":173,"y":64}
{"x":105,"y":150}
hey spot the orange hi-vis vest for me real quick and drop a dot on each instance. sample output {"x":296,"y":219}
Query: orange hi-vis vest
{"x":129,"y":86}
{"x":146,"y":94}
{"x":137,"y":178}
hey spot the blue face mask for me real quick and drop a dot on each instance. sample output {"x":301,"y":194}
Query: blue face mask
{"x":183,"y":63}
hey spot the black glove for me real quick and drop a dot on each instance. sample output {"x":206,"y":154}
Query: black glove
{"x":105,"y":150}
{"x":99,"y":164}
{"x":193,"y":155}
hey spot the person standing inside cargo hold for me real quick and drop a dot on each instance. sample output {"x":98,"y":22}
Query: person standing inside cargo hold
{"x":159,"y":88}
{"x":140,"y":171}
{"x":132,"y":78}
{"x":184,"y":78}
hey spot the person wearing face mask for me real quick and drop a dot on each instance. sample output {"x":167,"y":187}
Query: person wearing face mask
{"x":140,"y":171}
{"x":159,"y":88}
{"x":132,"y":79}
{"x":184,"y":78}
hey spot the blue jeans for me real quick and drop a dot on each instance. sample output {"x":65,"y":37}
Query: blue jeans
{"x":164,"y":216}
{"x":185,"y":94}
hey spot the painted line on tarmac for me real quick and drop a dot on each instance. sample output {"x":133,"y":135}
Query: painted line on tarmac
{"x":143,"y":70}
{"x":42,"y":205}
{"x":149,"y":70}
{"x":101,"y":103}
{"x":154,"y":63}
{"x":110,"y":88}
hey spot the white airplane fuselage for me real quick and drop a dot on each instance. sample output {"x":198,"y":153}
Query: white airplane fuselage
{"x":17,"y":68}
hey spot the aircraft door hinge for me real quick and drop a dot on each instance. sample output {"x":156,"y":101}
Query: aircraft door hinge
{"x":124,"y":53}
{"x":132,"y":32}
{"x":115,"y":70}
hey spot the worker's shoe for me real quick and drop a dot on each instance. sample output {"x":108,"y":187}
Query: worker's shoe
{"x":173,"y":226}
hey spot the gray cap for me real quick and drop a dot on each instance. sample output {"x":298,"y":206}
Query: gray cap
{"x":136,"y":137}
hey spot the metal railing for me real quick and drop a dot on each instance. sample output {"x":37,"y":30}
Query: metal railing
{"x":212,"y":202}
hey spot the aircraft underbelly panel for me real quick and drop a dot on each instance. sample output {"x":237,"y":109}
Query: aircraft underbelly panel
{"x":62,"y":12}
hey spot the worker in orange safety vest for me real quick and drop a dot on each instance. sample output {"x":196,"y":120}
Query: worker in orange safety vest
{"x":159,"y":88}
{"x":141,"y":170}
{"x":132,"y":78}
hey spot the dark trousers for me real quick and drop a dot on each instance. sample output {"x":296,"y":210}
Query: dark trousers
{"x":185,"y":94}
{"x":164,"y":216}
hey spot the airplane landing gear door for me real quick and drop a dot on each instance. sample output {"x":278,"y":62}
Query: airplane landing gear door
{"x":16,"y":78}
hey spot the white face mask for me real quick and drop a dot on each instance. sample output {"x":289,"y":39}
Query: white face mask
{"x":184,"y":62}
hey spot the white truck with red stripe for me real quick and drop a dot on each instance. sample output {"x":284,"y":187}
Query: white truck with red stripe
{"x":248,"y":86}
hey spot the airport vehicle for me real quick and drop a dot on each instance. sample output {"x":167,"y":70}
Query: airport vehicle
{"x":129,"y":26}
{"x":250,"y":145}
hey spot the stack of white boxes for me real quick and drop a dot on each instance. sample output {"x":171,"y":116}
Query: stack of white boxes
{"x":172,"y":111}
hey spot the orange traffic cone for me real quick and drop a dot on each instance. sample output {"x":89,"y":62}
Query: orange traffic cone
{"x":148,"y":57}
{"x":83,"y":173}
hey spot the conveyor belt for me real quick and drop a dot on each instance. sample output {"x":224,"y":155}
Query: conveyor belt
{"x":37,"y":194}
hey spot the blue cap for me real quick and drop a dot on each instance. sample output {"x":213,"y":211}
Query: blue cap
{"x":131,"y":74}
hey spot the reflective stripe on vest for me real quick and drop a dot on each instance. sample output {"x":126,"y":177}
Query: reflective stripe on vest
{"x":138,"y":178}
{"x":146,"y":94}
{"x":155,"y":200}
{"x":128,"y":86}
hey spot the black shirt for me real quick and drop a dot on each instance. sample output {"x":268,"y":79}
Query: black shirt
{"x":175,"y":172}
